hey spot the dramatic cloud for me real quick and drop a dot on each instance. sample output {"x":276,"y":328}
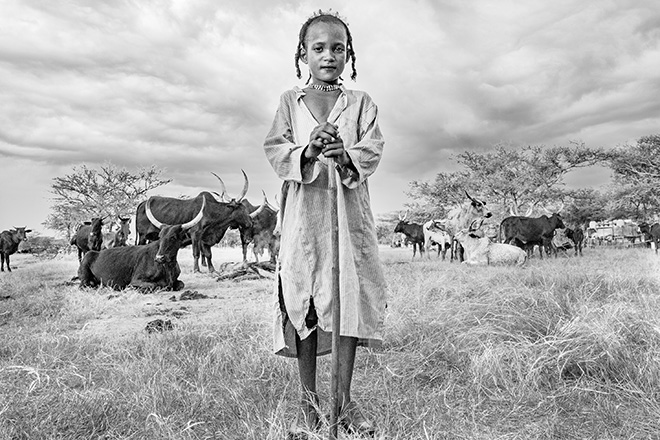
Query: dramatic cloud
{"x":192,"y":86}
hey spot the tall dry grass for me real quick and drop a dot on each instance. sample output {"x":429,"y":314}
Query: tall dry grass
{"x":566,"y":348}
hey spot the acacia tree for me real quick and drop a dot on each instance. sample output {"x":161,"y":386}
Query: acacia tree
{"x":107,"y":192}
{"x":637,"y":177}
{"x":528,"y":176}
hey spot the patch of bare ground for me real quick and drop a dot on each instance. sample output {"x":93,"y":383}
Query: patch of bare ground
{"x":204,"y":301}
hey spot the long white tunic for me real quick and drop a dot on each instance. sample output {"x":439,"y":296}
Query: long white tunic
{"x":305,"y":259}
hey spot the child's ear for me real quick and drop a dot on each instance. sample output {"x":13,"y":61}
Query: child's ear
{"x":303,"y":55}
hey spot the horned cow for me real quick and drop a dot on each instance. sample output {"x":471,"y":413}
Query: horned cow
{"x":88,"y":237}
{"x":480,"y":251}
{"x":9,"y":241}
{"x":435,"y":233}
{"x":461,"y":218}
{"x":147,"y":267}
{"x":526,"y":232}
{"x":413,"y":231}
{"x":218,"y":217}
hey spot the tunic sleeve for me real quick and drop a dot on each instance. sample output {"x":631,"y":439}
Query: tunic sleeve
{"x":366,"y":153}
{"x":281,"y":151}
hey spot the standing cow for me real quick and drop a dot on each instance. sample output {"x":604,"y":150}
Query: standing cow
{"x":526,"y":232}
{"x":652,"y":233}
{"x":435,"y":233}
{"x":88,"y":237}
{"x":218,"y":217}
{"x":9,"y":241}
{"x":119,"y":237}
{"x":413,"y":231}
{"x":261,"y":232}
{"x":461,"y":218}
{"x":577,"y":237}
{"x":148,"y":267}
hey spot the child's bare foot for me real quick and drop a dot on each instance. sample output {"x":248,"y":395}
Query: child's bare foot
{"x":354,"y":421}
{"x":307,"y":421}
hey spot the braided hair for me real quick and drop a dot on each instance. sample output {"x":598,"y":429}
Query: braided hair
{"x":324,"y":17}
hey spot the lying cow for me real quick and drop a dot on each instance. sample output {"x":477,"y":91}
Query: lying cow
{"x":9,"y":241}
{"x":435,"y":233}
{"x":480,"y":251}
{"x":149,"y":267}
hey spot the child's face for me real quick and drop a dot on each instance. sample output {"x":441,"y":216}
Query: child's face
{"x":325,"y":51}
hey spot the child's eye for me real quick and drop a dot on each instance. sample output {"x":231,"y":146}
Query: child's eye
{"x":339,"y":49}
{"x":318,"y":49}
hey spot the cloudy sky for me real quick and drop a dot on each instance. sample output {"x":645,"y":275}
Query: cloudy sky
{"x":192,"y":86}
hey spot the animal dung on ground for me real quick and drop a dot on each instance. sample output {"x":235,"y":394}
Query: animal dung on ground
{"x":159,"y":325}
{"x":189,"y":295}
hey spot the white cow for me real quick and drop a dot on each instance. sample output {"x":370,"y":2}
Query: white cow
{"x":480,"y":251}
{"x":434,"y":232}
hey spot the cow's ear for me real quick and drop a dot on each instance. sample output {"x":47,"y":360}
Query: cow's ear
{"x":28,"y":230}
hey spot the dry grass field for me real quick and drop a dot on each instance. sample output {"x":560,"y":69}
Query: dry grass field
{"x":565,"y":348}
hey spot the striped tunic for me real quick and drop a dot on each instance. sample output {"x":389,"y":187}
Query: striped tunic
{"x":304,"y":272}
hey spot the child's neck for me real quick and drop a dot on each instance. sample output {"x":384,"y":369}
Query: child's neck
{"x":320,"y":103}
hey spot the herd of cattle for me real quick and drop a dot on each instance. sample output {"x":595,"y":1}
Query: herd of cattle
{"x":163,"y":226}
{"x":512,"y":242}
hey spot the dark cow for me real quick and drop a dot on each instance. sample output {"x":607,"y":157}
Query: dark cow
{"x":148,"y":267}
{"x":577,"y":237}
{"x":9,"y":241}
{"x":262,"y":233}
{"x":88,"y":237}
{"x":218,"y":217}
{"x":560,"y":242}
{"x":119,"y":237}
{"x":526,"y":232}
{"x":413,"y":231}
{"x":652,"y":233}
{"x":461,"y":218}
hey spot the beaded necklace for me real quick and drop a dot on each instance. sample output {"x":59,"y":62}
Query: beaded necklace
{"x":326,"y":87}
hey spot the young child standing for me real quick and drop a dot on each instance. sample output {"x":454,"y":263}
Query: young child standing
{"x":320,"y":129}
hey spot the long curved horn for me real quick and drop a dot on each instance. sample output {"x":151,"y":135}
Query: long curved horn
{"x":469,"y":196}
{"x":223,"y":194}
{"x":151,"y":217}
{"x":277,"y":201}
{"x":511,"y":210}
{"x":245,"y":187}
{"x":560,"y":208}
{"x":261,"y":207}
{"x":219,"y":197}
{"x":530,"y":209}
{"x":275,"y":207}
{"x":267,"y":203}
{"x":405,"y":216}
{"x":197,"y":218}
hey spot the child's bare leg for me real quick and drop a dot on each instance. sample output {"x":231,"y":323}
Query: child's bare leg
{"x":352,"y":417}
{"x":347,"y":348}
{"x":307,"y":369}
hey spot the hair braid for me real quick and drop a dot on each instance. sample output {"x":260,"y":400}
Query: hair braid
{"x":327,"y":17}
